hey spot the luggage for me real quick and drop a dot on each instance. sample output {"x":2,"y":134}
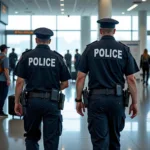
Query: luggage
{"x":73,"y":75}
{"x":11,"y":104}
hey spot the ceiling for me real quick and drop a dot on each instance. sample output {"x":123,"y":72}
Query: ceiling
{"x":72,"y":7}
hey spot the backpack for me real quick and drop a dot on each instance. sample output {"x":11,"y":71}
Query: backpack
{"x":1,"y":61}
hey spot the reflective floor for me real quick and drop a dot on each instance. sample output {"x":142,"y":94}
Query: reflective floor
{"x":135,"y":136}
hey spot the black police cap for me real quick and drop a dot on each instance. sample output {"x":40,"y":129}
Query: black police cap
{"x":43,"y":33}
{"x":107,"y":23}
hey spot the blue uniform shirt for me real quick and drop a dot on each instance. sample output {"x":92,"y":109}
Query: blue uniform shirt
{"x":107,"y":61}
{"x":42,"y":69}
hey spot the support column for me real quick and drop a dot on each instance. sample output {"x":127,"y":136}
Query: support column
{"x":104,"y":9}
{"x":85,"y":31}
{"x":142,"y":30}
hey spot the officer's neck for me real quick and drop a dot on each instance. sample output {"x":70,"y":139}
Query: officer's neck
{"x":43,"y":44}
{"x":107,"y":35}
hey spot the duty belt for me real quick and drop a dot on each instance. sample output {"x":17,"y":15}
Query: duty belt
{"x":44,"y":95}
{"x":103,"y":91}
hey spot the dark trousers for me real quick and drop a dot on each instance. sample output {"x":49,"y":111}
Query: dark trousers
{"x":3,"y":94}
{"x":106,"y":119}
{"x":47,"y":111}
{"x":145,"y":73}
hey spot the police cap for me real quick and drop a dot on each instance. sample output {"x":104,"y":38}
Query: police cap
{"x":43,"y":33}
{"x":107,"y":23}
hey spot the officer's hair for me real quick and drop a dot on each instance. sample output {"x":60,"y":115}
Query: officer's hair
{"x":43,"y":41}
{"x":107,"y":30}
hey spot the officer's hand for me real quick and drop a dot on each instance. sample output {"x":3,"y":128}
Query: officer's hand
{"x":133,"y":108}
{"x":18,"y":109}
{"x":80,"y":108}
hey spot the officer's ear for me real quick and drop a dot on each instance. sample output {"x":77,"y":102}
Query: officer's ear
{"x":101,"y":31}
{"x":49,"y":41}
{"x":36,"y":40}
{"x":114,"y":31}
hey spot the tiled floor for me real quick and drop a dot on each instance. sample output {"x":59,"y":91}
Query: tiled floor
{"x":136,"y":134}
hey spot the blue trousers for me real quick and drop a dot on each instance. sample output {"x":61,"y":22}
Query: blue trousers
{"x":3,"y":94}
{"x":106,"y":119}
{"x":39,"y":110}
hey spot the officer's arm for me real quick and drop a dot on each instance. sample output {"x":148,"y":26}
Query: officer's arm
{"x":80,"y":84}
{"x":18,"y":90}
{"x":132,"y":87}
{"x":64,"y":85}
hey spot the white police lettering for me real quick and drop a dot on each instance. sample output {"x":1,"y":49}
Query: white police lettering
{"x":49,"y":62}
{"x":111,"y":53}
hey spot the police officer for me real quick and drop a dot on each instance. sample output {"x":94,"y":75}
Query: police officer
{"x":45,"y":74}
{"x":68,"y":58}
{"x":106,"y":61}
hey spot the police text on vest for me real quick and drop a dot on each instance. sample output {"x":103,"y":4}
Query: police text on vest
{"x":49,"y":62}
{"x":111,"y":53}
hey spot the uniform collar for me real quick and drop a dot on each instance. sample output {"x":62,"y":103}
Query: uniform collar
{"x":43,"y":46}
{"x":107,"y":37}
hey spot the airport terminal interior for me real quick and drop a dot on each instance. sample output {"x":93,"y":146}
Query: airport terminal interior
{"x":74,"y":23}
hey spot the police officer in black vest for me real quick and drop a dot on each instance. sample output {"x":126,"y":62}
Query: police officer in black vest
{"x":45,"y":74}
{"x":106,"y":61}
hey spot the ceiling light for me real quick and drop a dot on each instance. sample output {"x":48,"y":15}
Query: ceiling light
{"x":123,"y":13}
{"x":16,"y":12}
{"x":132,"y":7}
{"x":61,"y":0}
{"x":62,"y":13}
{"x":62,"y":9}
{"x":61,"y":4}
{"x":143,"y":0}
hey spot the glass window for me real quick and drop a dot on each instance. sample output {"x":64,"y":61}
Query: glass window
{"x":148,"y":23}
{"x":52,"y":44}
{"x":135,"y":36}
{"x":135,"y":22}
{"x":148,"y":43}
{"x":69,"y":23}
{"x":44,"y":21}
{"x":123,"y":35}
{"x":19,"y":42}
{"x":124,"y":22}
{"x":18,"y":23}
{"x":94,"y":36}
{"x":68,"y":40}
{"x":94,"y":25}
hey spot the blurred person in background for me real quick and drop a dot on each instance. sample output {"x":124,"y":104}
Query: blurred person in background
{"x":13,"y":57}
{"x":144,"y":64}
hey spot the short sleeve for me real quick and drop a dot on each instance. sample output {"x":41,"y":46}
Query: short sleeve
{"x":131,"y":65}
{"x":21,"y":69}
{"x":64,"y":72}
{"x":6,"y":63}
{"x":83,"y":64}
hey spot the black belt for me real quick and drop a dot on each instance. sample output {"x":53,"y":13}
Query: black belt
{"x":103,"y":91}
{"x":44,"y":95}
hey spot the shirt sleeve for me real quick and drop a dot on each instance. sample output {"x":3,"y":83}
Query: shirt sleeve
{"x":131,"y":65}
{"x":6,"y":63}
{"x":83,"y":64}
{"x":64,"y":72}
{"x":21,"y":68}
